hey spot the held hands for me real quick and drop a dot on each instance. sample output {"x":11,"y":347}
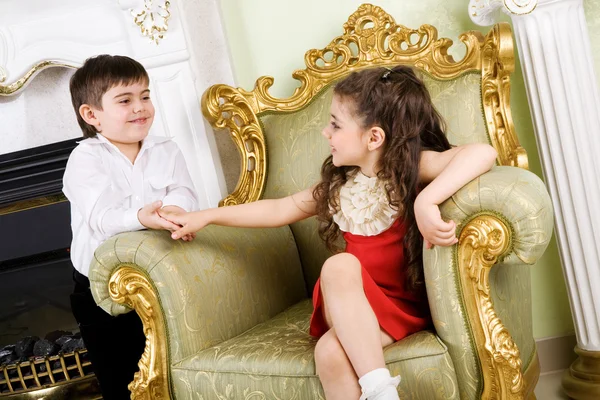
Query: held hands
{"x":177,"y":211}
{"x":187,"y":223}
{"x":434,"y":229}
{"x":149,"y":217}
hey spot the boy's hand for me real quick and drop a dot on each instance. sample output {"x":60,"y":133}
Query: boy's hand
{"x":148,"y":216}
{"x":188,"y":222}
{"x":175,"y":210}
{"x":434,"y":229}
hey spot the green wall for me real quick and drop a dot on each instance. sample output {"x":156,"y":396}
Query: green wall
{"x":270,"y":37}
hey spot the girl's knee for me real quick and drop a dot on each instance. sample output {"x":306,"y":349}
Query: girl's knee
{"x":329,"y":354}
{"x":340,"y":267}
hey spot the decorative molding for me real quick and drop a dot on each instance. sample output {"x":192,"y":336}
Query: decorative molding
{"x":21,"y":83}
{"x":582,"y":379}
{"x":129,"y":286}
{"x":486,"y":12}
{"x":146,"y":19}
{"x":371,"y":38}
{"x":482,"y":242}
{"x":520,"y":7}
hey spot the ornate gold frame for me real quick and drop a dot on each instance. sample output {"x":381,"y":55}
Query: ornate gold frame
{"x":371,"y":38}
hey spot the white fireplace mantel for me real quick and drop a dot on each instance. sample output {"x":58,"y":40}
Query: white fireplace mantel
{"x":35,"y":34}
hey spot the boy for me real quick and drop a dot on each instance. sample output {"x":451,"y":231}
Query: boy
{"x":116,"y":180}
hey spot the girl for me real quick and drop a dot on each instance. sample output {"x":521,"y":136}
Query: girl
{"x":389,"y":169}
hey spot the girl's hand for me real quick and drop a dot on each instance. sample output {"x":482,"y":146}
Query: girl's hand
{"x":434,"y":229}
{"x":178,"y":210}
{"x":189,"y":223}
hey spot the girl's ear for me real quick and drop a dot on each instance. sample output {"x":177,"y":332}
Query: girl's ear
{"x":376,"y":138}
{"x":87,"y":113}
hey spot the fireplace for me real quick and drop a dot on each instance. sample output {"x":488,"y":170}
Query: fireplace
{"x":38,"y":130}
{"x":36,"y":279}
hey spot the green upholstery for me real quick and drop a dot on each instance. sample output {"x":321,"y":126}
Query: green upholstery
{"x":235,"y":301}
{"x":520,"y":198}
{"x":212,"y":289}
{"x":281,"y":351}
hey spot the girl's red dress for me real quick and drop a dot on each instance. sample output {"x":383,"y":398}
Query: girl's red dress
{"x":399,"y":312}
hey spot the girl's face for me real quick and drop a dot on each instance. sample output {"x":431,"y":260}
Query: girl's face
{"x":348,"y":141}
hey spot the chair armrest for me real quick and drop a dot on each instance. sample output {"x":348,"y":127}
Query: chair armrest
{"x":192,"y":295}
{"x":483,"y":314}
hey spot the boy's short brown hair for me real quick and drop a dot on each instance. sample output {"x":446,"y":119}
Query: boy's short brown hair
{"x":98,"y":75}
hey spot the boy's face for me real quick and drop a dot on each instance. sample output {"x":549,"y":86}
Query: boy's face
{"x":127,"y":114}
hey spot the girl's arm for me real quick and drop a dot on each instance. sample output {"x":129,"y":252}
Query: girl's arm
{"x":268,"y":213}
{"x":446,"y":173}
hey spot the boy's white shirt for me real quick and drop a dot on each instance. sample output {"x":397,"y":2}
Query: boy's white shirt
{"x":106,"y":191}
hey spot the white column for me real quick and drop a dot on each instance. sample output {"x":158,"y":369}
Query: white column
{"x":553,"y":44}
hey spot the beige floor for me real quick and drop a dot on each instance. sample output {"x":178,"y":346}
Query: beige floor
{"x":549,"y":388}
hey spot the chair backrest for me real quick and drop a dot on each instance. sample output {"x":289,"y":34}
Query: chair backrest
{"x":472,"y":95}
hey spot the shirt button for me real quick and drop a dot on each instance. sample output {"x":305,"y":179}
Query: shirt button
{"x":137,"y":198}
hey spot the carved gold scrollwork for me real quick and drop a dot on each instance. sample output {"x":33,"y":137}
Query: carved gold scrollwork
{"x":481,"y":243}
{"x":498,"y":63}
{"x":226,"y":107}
{"x":129,"y":286}
{"x":371,"y":38}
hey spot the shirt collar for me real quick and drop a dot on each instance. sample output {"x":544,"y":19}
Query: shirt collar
{"x":148,"y":142}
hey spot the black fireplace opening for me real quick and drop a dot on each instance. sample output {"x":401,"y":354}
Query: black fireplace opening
{"x":35,"y":236}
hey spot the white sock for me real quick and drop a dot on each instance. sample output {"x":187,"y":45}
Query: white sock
{"x":379,"y":385}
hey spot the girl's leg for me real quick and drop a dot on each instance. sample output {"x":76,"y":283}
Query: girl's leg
{"x":348,"y":311}
{"x":334,"y":368}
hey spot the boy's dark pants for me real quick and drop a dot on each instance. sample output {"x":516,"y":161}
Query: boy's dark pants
{"x":114,"y":344}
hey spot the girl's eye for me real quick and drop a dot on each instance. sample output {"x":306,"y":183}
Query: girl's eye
{"x":334,"y":125}
{"x":124,"y":101}
{"x":146,"y":98}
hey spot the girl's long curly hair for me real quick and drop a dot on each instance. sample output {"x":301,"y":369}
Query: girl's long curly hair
{"x":398,"y":102}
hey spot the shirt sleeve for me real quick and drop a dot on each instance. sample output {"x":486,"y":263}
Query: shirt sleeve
{"x":182,"y":192}
{"x":87,"y":185}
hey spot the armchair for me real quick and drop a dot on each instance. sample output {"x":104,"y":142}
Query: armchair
{"x":226,"y":316}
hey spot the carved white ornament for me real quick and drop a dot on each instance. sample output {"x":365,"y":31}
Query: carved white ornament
{"x":486,"y":12}
{"x":152,"y":19}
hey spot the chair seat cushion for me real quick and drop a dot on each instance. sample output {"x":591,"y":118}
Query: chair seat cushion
{"x":282,"y":351}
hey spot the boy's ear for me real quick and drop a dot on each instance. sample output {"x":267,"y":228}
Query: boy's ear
{"x":376,"y":138}
{"x":87,"y":113}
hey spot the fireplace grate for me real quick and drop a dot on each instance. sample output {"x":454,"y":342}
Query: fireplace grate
{"x":42,"y":373}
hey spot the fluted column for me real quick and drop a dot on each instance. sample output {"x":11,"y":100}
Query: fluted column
{"x":553,"y":44}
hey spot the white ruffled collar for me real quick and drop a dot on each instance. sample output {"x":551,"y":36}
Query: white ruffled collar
{"x":364,"y":206}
